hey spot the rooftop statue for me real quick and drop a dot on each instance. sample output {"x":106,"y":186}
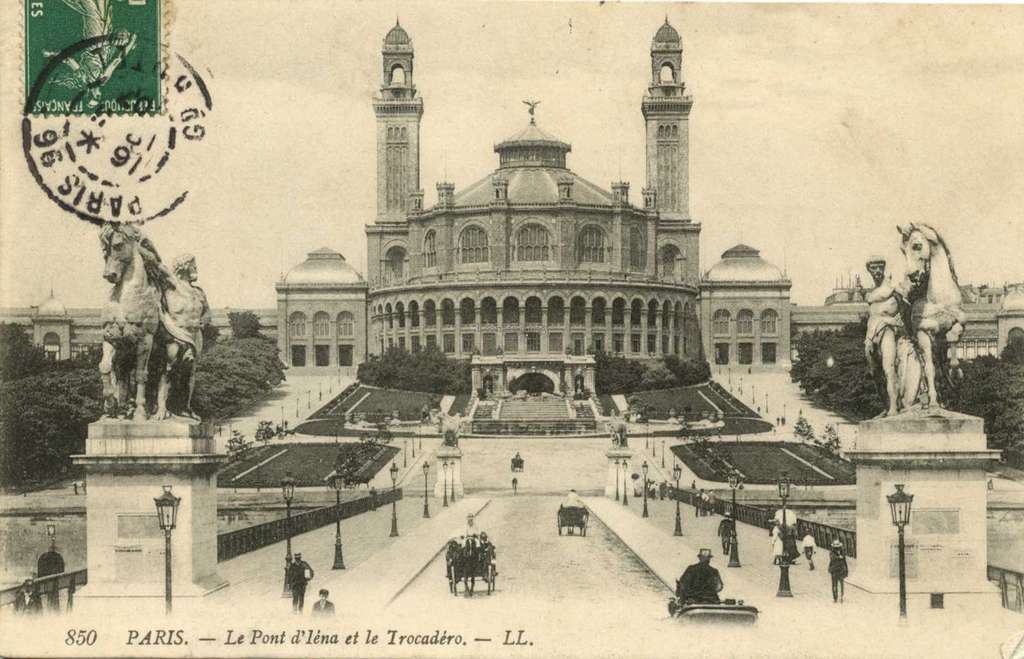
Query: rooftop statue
{"x":183,"y":315}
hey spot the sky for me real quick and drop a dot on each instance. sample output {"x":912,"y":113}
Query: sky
{"x":816,"y":129}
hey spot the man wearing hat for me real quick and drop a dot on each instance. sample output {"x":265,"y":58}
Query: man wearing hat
{"x":838,"y":569}
{"x":700,"y":582}
{"x":299,"y":574}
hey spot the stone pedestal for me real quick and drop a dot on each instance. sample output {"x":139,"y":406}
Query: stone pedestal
{"x":453,"y":456}
{"x":127,"y":463}
{"x":940,"y":458}
{"x":616,"y":473}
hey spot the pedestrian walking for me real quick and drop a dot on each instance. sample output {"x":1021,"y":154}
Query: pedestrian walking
{"x":323,"y":606}
{"x":726,"y":532}
{"x":776,"y":545}
{"x":515,"y":485}
{"x":299,"y":574}
{"x":838,"y":569}
{"x":808,"y":545}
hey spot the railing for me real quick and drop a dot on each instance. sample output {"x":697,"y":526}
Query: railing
{"x":824,"y":534}
{"x":242,"y":541}
{"x":1011,"y":587}
{"x":55,"y":592}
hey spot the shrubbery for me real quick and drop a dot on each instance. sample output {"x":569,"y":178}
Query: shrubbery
{"x":992,"y":388}
{"x":428,"y":370}
{"x":619,"y":375}
{"x":44,"y":416}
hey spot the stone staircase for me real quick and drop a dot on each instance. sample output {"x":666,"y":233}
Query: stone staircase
{"x":534,"y":416}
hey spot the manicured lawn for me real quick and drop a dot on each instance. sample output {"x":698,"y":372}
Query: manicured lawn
{"x":695,"y":401}
{"x":764,"y":462}
{"x":308,"y":464}
{"x":378,"y":403}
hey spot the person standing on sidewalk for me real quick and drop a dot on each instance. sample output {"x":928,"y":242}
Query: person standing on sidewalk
{"x":299,"y":574}
{"x":808,"y":545}
{"x":838,"y":568}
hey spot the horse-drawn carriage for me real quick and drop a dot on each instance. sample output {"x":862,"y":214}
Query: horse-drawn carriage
{"x":573,"y":517}
{"x":518,"y":463}
{"x":727,"y":611}
{"x":469,"y":562}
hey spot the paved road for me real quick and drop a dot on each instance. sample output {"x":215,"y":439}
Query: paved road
{"x":554,"y":465}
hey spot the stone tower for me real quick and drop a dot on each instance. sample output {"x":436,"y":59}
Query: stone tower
{"x":398,"y":111}
{"x":666,"y":110}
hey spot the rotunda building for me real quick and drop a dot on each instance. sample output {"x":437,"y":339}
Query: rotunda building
{"x":532,"y":262}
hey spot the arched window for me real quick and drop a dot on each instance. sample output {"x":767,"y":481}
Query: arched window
{"x":389,"y":315}
{"x":667,"y":74}
{"x":533,"y":310}
{"x":394,"y":265}
{"x":397,"y":75}
{"x":447,"y":313}
{"x":619,"y":312}
{"x":467,"y":311}
{"x":510,"y":310}
{"x":590,"y":245}
{"x":488,"y":311}
{"x":1015,"y":334}
{"x":51,"y":346}
{"x":429,"y":313}
{"x":556,"y":311}
{"x":577,"y":311}
{"x":473,"y":245}
{"x":666,"y":315}
{"x":652,"y":313}
{"x":597,"y":311}
{"x":720,"y":322}
{"x":637,"y":249}
{"x":769,"y":321}
{"x":400,"y":314}
{"x":430,"y":249}
{"x":297,"y":325}
{"x":346,"y":324}
{"x":532,"y":243}
{"x":321,"y":325}
{"x":668,"y":262}
{"x":745,"y":322}
{"x":635,"y":311}
{"x":414,"y":314}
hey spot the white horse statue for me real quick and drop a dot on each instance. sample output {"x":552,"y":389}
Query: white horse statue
{"x":937,"y":319}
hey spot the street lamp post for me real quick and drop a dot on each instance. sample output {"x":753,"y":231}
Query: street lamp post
{"x":405,"y":454}
{"x":444,"y":468}
{"x":288,"y":492}
{"x":167,"y":514}
{"x":625,"y":472}
{"x":617,"y":463}
{"x":663,"y":454}
{"x":734,"y":549}
{"x":899,"y":503}
{"x":452,"y":497}
{"x":784,"y":590}
{"x":51,"y":532}
{"x":337,"y":482}
{"x":644,"y":469}
{"x":426,"y":505}
{"x":677,"y":471}
{"x":394,"y":505}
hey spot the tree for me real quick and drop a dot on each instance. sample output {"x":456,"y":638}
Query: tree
{"x":1013,"y":353}
{"x":829,"y":439}
{"x":803,"y":430}
{"x":18,"y":356}
{"x":244,"y":325}
{"x":427,"y":370}
{"x":236,"y":445}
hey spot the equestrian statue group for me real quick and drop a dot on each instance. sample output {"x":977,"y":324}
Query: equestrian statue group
{"x":914,"y":324}
{"x":153,"y":322}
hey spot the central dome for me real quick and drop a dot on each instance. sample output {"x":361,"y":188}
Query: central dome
{"x":667,"y":35}
{"x":743,"y":263}
{"x":532,"y":147}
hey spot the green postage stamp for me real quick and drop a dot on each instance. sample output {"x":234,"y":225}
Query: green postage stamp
{"x":92,"y":57}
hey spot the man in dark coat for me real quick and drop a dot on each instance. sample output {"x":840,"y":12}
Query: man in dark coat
{"x":726,"y":531}
{"x":700,"y":583}
{"x":837,"y":569}
{"x":299,"y":574}
{"x":28,"y":600}
{"x":323,"y":606}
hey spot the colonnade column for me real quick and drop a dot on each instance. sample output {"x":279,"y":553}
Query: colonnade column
{"x":588,"y":327}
